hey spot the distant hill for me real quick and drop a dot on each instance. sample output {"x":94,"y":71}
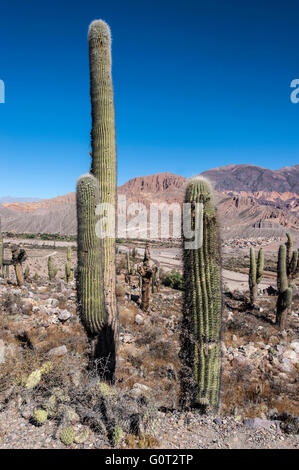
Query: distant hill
{"x":253,"y":178}
{"x":252,"y":201}
{"x":9,"y":199}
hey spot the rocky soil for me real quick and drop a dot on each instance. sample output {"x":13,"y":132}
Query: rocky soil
{"x":43,"y":367}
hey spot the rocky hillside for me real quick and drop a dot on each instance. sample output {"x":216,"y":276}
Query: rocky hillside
{"x":252,"y":201}
{"x":253,"y":178}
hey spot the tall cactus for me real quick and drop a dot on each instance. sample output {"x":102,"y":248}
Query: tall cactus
{"x":96,"y":254}
{"x":255,"y":273}
{"x":103,"y":143}
{"x":285,"y":293}
{"x":202,"y":310}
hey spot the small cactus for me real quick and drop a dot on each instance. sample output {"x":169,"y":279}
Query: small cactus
{"x":291,"y":257}
{"x":52,"y":271}
{"x":117,"y":435}
{"x":68,"y":272}
{"x":26,"y":273}
{"x":33,"y":379}
{"x":67,"y":436}
{"x":40,"y":416}
{"x":69,"y":253}
{"x":255,"y":273}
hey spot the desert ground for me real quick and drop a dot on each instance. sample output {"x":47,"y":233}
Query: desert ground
{"x":40,"y":325}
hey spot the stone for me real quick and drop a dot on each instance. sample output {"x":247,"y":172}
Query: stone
{"x":2,"y":351}
{"x":258,"y":423}
{"x":52,"y":302}
{"x":139,"y":319}
{"x":64,"y":315}
{"x":285,"y":365}
{"x":59,"y":351}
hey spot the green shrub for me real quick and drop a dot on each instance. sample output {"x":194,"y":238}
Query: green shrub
{"x":174,"y":280}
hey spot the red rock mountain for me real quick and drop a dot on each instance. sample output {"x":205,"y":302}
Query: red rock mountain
{"x":252,"y":201}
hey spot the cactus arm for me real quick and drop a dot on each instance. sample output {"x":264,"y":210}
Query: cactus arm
{"x":89,"y":268}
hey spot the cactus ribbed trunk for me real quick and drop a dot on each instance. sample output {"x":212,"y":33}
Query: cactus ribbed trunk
{"x":255,"y":274}
{"x":104,"y":150}
{"x":285,"y":293}
{"x":90,"y":269}
{"x":200,"y":349}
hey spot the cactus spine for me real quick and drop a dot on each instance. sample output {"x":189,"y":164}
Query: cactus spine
{"x":202,"y":311}
{"x":285,"y":293}
{"x":255,"y":273}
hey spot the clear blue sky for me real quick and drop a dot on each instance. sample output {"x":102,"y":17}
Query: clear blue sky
{"x":198,"y":84}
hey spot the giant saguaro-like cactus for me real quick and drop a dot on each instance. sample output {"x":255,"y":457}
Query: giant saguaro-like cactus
{"x":285,"y":293}
{"x":103,"y":144}
{"x":202,"y":310}
{"x":255,"y":273}
{"x":96,"y":251}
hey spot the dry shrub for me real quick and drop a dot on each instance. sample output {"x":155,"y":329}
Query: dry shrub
{"x":149,"y":336}
{"x":120,"y":291}
{"x":142,"y":442}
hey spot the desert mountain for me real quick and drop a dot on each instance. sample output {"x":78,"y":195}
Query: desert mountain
{"x":264,"y":203}
{"x":253,"y":178}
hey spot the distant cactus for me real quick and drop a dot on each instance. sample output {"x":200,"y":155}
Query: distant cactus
{"x":69,"y":253}
{"x":52,"y":271}
{"x":18,"y":256}
{"x":35,"y":277}
{"x":146,"y":270}
{"x":155,"y":281}
{"x":129,"y":269}
{"x":291,"y":258}
{"x":26,"y":273}
{"x":202,"y":311}
{"x":255,"y":273}
{"x":68,"y":272}
{"x":285,"y":293}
